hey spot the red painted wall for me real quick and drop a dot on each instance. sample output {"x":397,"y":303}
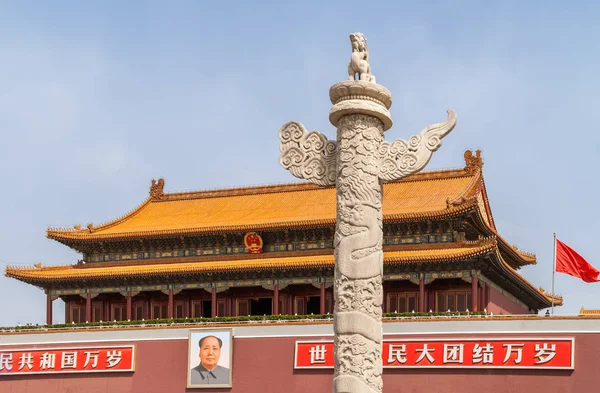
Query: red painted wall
{"x":499,"y":304}
{"x":265,"y":365}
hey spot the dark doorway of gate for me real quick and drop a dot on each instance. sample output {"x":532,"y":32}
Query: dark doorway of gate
{"x":313,"y":306}
{"x":261,"y":306}
{"x":207,"y":308}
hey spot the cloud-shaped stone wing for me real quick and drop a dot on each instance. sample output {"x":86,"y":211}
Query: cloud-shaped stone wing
{"x":307,"y":155}
{"x":400,"y":158}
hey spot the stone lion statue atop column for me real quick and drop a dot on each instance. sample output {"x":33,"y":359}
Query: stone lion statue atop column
{"x":359,"y":62}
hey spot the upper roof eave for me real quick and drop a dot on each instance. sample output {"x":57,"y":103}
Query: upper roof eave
{"x":54,"y":274}
{"x":466,"y":201}
{"x":95,"y":233}
{"x":69,"y":236}
{"x":521,"y":257}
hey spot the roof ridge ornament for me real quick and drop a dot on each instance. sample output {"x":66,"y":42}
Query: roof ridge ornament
{"x":523,"y":252}
{"x":156,"y":189}
{"x":473,"y":162}
{"x":450,"y":203}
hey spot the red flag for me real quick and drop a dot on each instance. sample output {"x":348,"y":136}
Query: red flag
{"x":573,"y":264}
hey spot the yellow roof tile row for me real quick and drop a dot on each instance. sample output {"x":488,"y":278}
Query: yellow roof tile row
{"x":273,"y":207}
{"x":583,"y":311}
{"x":77,"y":272}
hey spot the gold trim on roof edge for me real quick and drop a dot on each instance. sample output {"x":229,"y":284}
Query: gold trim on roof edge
{"x":524,"y":280}
{"x":584,"y":311}
{"x":91,"y":232}
{"x":460,"y":251}
{"x":63,"y":272}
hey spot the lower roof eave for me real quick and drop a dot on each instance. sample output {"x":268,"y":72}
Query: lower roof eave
{"x":80,"y":276}
{"x":536,"y":300}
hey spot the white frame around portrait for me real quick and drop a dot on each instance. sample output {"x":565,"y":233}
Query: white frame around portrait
{"x":226,"y":334}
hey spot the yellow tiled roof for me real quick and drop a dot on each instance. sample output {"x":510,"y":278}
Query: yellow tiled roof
{"x":38,"y":275}
{"x":295,"y":205}
{"x":75,"y":272}
{"x":583,"y":311}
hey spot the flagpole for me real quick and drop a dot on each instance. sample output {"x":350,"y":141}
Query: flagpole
{"x":553,"y":271}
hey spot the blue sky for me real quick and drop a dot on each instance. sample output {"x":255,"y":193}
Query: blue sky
{"x":97,"y":99}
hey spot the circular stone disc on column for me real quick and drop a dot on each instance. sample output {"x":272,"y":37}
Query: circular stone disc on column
{"x":353,"y":97}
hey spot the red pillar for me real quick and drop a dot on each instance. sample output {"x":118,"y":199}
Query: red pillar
{"x":283,"y":298}
{"x":484,"y":297}
{"x":276,"y":299}
{"x":422,"y":293}
{"x":214,"y":303}
{"x":88,"y":308}
{"x":106,"y":310}
{"x":129,"y":306}
{"x":323,"y":298}
{"x":48,"y":309}
{"x":146,"y":308}
{"x":170,"y":312}
{"x":431,"y":299}
{"x":474,"y":291}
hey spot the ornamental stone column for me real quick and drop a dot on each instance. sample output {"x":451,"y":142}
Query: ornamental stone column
{"x":357,"y":163}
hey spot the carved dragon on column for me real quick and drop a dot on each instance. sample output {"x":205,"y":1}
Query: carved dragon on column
{"x":357,"y":163}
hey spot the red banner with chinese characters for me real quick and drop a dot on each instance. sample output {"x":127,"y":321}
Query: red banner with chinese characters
{"x":67,"y":360}
{"x":536,"y":353}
